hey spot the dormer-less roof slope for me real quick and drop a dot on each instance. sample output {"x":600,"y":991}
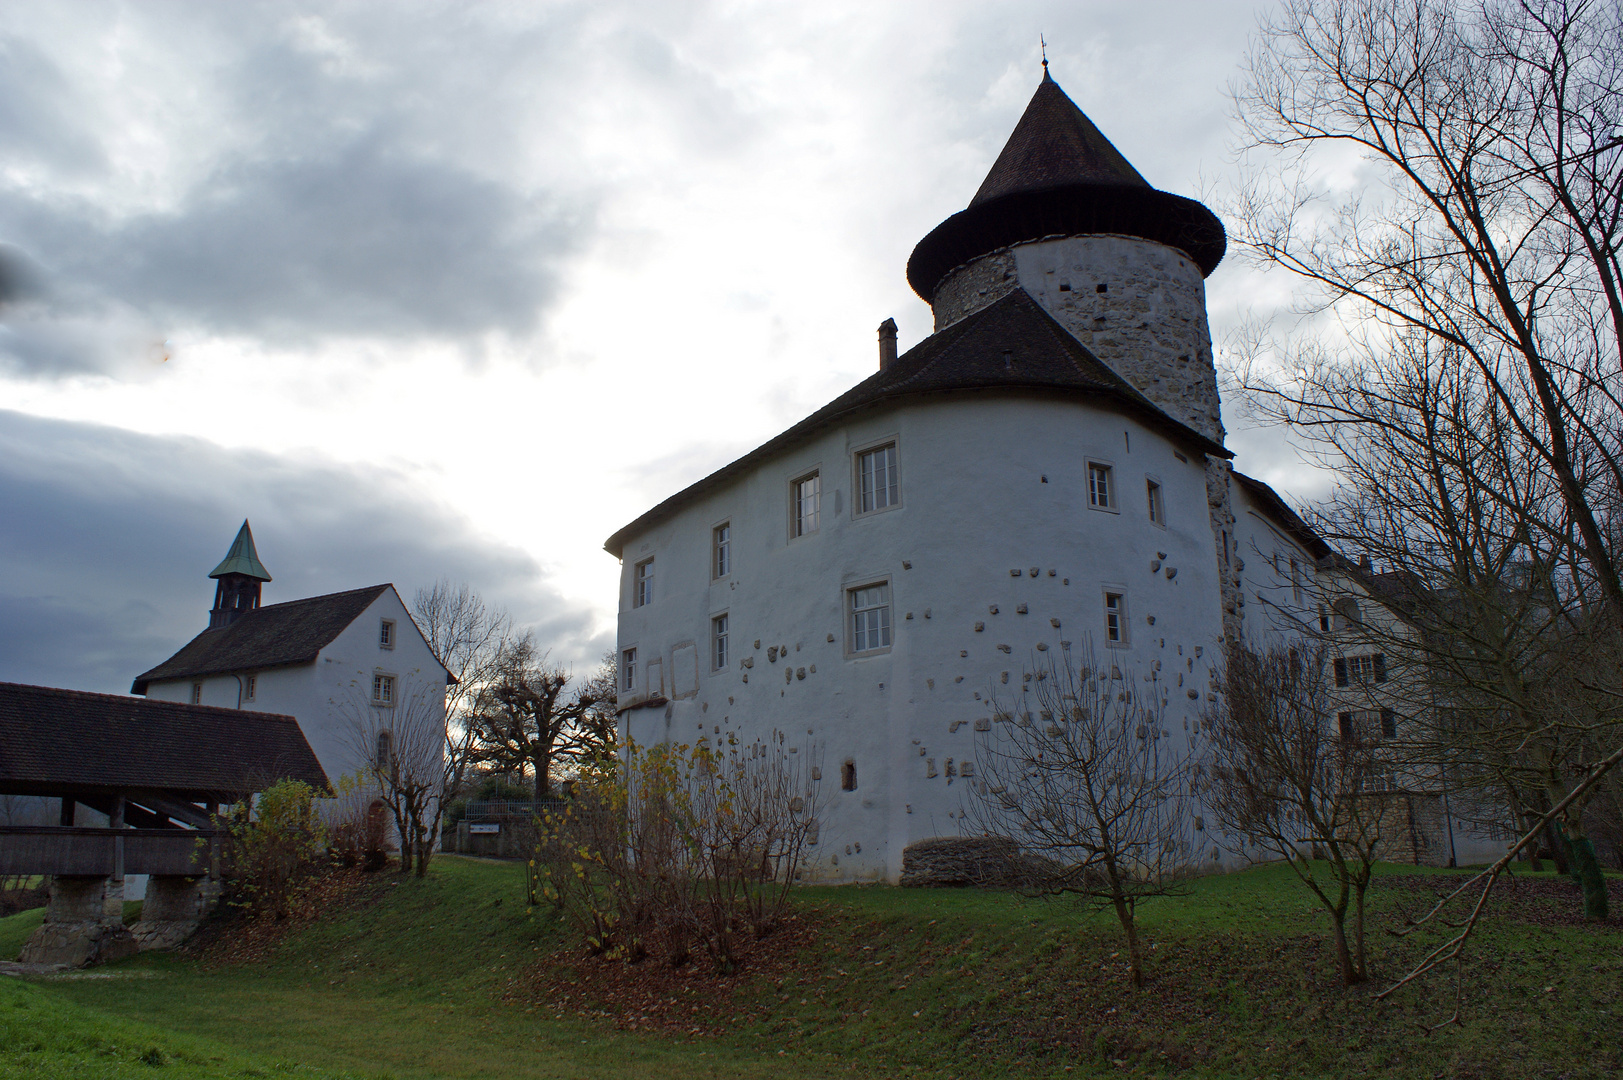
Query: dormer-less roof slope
{"x":276,"y":636}
{"x":1059,"y":176}
{"x":1285,"y":517}
{"x":65,"y":741}
{"x":1010,"y":346}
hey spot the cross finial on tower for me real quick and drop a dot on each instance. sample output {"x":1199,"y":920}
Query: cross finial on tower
{"x":1043,"y":43}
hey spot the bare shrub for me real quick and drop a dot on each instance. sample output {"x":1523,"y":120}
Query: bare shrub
{"x":683,"y":849}
{"x":1078,"y":771}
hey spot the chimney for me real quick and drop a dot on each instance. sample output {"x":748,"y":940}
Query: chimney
{"x":887,"y":343}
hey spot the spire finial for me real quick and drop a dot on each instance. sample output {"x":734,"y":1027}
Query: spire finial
{"x":1043,"y":43}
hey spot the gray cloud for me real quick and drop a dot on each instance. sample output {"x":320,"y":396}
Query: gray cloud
{"x":318,"y":196}
{"x":106,"y":539}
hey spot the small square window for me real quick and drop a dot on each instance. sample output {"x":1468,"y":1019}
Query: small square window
{"x":249,"y":685}
{"x":721,"y":546}
{"x":1101,"y":494}
{"x":383,"y":690}
{"x":878,"y":485}
{"x":870,"y":617}
{"x":806,"y":494}
{"x":628,"y":669}
{"x":643,"y":583}
{"x":1116,"y":618}
{"x":197,"y":693}
{"x":386,"y":634}
{"x":718,"y":643}
{"x":1158,"y":513}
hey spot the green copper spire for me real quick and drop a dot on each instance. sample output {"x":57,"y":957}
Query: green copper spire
{"x":242,"y":558}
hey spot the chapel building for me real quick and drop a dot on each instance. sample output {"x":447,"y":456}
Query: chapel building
{"x":347,"y":665}
{"x":1045,"y":475}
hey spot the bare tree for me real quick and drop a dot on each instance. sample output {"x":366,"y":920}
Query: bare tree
{"x":1484,"y":238}
{"x":1077,"y":770}
{"x":467,"y":635}
{"x":409,"y":750}
{"x":1293,"y":787}
{"x":526,"y":719}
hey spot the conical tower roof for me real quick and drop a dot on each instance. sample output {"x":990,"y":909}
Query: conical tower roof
{"x":1059,"y":176}
{"x":1055,"y":145}
{"x":242,"y":558}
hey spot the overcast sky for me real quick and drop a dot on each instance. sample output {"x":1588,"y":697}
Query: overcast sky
{"x":458,"y":289}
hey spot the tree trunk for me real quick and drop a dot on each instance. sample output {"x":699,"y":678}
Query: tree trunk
{"x":1124,"y":912}
{"x":1350,"y":975}
{"x":1360,"y":959}
{"x":1586,"y":872}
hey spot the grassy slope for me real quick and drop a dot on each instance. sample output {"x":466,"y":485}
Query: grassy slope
{"x":939,"y":983}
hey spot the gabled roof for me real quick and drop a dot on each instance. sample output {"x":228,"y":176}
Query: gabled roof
{"x":242,"y":558}
{"x":1010,"y":346}
{"x":62,"y":741}
{"x":1054,"y":145}
{"x":1285,"y":517}
{"x":276,"y":636}
{"x":1059,"y":176}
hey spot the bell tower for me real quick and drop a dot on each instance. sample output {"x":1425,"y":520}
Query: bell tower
{"x":240,"y":575}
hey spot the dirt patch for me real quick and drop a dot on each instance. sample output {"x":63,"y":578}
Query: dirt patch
{"x":692,"y":1000}
{"x":233,"y":937}
{"x":1540,"y":901}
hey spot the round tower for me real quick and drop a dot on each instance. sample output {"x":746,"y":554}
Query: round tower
{"x":1118,"y":263}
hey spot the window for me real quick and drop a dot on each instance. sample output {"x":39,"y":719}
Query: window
{"x":249,"y":685}
{"x":197,"y":693}
{"x":384,"y":755}
{"x":870,"y":617}
{"x":1115,"y":617}
{"x":1389,"y":724}
{"x":877,"y":483}
{"x":1296,"y":585}
{"x":1347,"y":613}
{"x":848,"y":775}
{"x":643,"y":583}
{"x":383,"y":690}
{"x":1158,"y":513}
{"x":718,"y":643}
{"x":1100,"y":496}
{"x":1347,"y":729}
{"x":721,"y":547}
{"x":1368,"y":668}
{"x":807,"y":496}
{"x":386,"y":634}
{"x":628,"y":669}
{"x":1324,"y":619}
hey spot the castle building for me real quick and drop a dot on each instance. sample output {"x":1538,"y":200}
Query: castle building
{"x":325,"y":660}
{"x":1045,"y":475}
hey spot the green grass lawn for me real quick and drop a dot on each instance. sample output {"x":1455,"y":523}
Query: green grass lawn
{"x":453,"y":977}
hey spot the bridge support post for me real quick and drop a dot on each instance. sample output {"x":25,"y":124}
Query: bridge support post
{"x":174,"y":908}
{"x":84,"y":924}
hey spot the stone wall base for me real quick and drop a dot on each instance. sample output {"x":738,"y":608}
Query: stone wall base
{"x":84,"y":924}
{"x":174,"y":908}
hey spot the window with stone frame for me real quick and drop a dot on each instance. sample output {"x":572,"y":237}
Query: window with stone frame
{"x":1115,"y":618}
{"x":721,"y":550}
{"x":806,"y":499}
{"x":878,"y":483}
{"x":870,"y":621}
{"x":628,"y":669}
{"x":1158,"y":512}
{"x":718,"y":642}
{"x":383,"y":690}
{"x":642,"y":583}
{"x":1101,"y":487}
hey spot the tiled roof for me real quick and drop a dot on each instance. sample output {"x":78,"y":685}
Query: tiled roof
{"x":1010,"y":346}
{"x":55,"y":740}
{"x":274,"y":636}
{"x":1054,"y":145}
{"x":1059,"y":176}
{"x":1287,"y":518}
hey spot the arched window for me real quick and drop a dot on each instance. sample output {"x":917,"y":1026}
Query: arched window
{"x":385,"y":751}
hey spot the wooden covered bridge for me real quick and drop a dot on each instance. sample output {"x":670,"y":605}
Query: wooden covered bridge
{"x":157,"y":771}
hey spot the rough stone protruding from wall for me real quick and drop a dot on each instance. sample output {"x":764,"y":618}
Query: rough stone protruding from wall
{"x":84,"y":924}
{"x":1137,"y":305}
{"x":173,"y":910}
{"x":947,"y":861}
